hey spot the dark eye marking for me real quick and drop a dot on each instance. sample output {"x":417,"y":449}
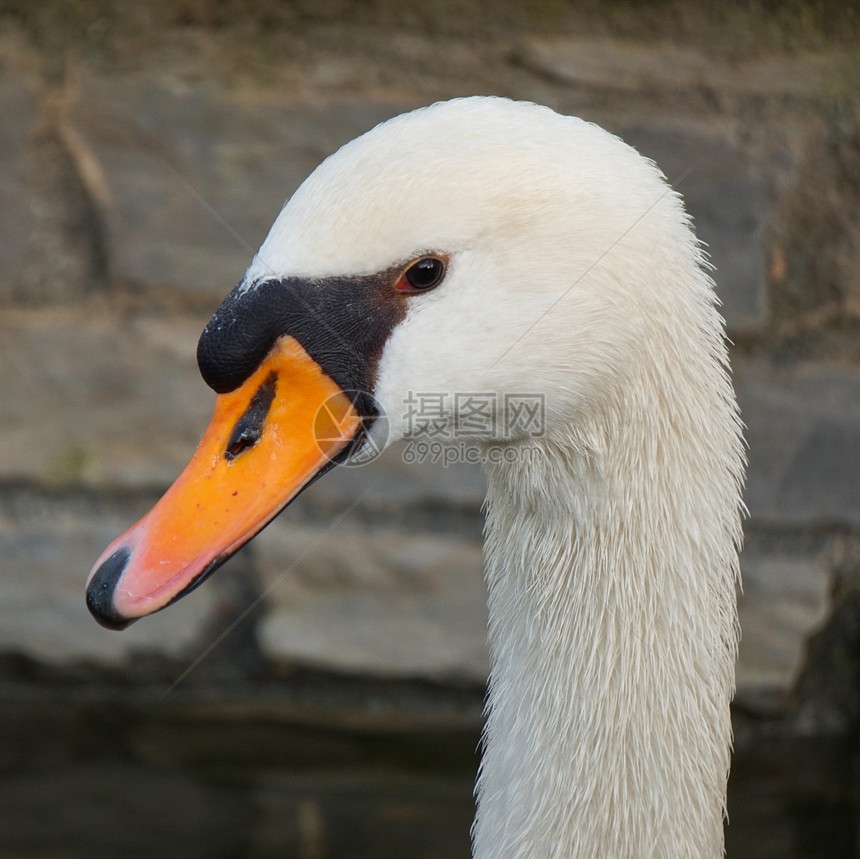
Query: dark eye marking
{"x":343,"y":323}
{"x":422,"y":275}
{"x":248,"y":429}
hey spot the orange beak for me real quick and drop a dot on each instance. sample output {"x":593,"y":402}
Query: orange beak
{"x":266,"y":441}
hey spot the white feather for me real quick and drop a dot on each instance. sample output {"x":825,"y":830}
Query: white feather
{"x":611,"y":541}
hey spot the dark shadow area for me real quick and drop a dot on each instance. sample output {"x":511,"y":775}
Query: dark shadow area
{"x":320,"y":766}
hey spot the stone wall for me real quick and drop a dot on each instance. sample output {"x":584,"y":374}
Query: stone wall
{"x":142,"y":160}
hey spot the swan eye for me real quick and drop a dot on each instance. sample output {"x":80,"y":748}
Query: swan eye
{"x":421,"y":275}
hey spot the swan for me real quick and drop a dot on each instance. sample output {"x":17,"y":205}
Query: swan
{"x":486,"y":245}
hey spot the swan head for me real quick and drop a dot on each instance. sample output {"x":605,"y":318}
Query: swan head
{"x":475,"y":246}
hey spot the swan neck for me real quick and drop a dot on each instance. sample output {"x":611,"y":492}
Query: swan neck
{"x":611,"y":579}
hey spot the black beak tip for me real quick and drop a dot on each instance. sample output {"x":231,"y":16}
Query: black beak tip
{"x":101,"y":589}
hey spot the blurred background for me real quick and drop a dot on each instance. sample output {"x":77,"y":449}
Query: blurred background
{"x":321,"y":696}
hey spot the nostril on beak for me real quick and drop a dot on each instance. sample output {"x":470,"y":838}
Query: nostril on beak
{"x":101,"y":588}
